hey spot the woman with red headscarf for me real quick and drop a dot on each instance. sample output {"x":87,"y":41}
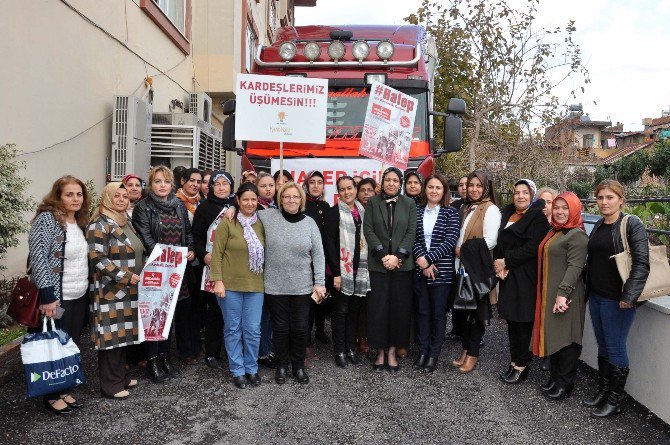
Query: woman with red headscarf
{"x":561,"y":305}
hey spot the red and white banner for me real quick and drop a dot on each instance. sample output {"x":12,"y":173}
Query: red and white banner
{"x":280,"y":109}
{"x":389,"y":125}
{"x":332,"y":168}
{"x":159,"y":286}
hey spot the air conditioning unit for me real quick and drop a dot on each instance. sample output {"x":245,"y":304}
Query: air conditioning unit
{"x":183,"y":139}
{"x":131,"y":137}
{"x":200,"y":104}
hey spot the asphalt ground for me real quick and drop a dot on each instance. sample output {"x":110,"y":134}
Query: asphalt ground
{"x":353,"y":405}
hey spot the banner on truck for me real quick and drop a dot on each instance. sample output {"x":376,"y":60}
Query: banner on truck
{"x":280,"y":109}
{"x":389,"y":125}
{"x":159,"y":286}
{"x":332,"y":168}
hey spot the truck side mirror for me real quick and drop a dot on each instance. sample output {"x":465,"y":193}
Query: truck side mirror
{"x":229,"y":107}
{"x":452,"y":138}
{"x":228,"y":136}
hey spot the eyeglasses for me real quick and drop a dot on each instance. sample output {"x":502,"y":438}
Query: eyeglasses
{"x":291,"y":198}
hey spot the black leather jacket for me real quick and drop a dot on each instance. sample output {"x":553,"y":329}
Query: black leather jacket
{"x":639,"y":248}
{"x":147,"y":224}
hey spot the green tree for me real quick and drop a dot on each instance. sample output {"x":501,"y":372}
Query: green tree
{"x":659,"y":160}
{"x":603,"y":172}
{"x":504,"y":66}
{"x":13,"y":202}
{"x":631,"y":168}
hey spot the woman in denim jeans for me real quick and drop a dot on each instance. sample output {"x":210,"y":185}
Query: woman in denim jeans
{"x":237,"y":272}
{"x":611,"y":301}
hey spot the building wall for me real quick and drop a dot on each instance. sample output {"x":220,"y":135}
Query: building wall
{"x":58,"y":78}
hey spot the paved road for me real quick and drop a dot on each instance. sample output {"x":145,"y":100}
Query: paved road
{"x":338,"y":406}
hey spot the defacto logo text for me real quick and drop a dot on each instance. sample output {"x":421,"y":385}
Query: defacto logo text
{"x":58,"y":373}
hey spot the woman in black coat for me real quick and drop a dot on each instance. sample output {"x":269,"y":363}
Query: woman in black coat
{"x":316,"y":208}
{"x":207,"y":217}
{"x":522,"y":229}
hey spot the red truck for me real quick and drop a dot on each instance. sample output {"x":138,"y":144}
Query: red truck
{"x":350,"y":57}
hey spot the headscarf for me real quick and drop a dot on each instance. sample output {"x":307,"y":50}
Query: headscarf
{"x":106,"y":206}
{"x":305,"y":186}
{"x":531,"y":185}
{"x":574,"y":221}
{"x":486,"y":192}
{"x":129,"y":177}
{"x":418,"y":175}
{"x":383,"y":194}
{"x":218,"y":174}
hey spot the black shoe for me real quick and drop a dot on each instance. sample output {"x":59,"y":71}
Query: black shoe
{"x":353,"y":357}
{"x":506,"y":374}
{"x":300,"y":375}
{"x":240,"y":381}
{"x":559,"y":392}
{"x":322,"y":337}
{"x":155,"y":372}
{"x":612,"y":406}
{"x":545,"y":364}
{"x":431,"y":365}
{"x":378,"y":368}
{"x":420,"y":362}
{"x":58,"y":412}
{"x":253,"y":379}
{"x":341,"y":360}
{"x":280,"y":375}
{"x":75,"y":405}
{"x":603,"y":385}
{"x":549,"y":386}
{"x":213,"y":363}
{"x":393,"y":369}
{"x":516,"y":376}
{"x":482,"y":343}
{"x":269,"y":362}
{"x":167,"y":365}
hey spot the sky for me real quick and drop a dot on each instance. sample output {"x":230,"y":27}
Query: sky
{"x":624,"y":46}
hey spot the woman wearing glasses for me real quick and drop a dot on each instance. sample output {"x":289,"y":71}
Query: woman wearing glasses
{"x":294,"y":270}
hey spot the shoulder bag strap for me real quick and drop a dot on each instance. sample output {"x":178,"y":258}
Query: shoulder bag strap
{"x":624,"y":234}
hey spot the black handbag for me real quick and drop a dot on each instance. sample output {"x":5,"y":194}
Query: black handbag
{"x":465,"y":296}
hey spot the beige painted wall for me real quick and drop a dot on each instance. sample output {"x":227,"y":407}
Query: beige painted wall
{"x":58,"y":78}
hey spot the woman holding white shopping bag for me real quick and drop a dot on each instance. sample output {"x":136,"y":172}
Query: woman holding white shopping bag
{"x":59,"y":260}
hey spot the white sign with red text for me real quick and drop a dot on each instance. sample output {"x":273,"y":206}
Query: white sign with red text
{"x":332,"y":168}
{"x":280,"y":109}
{"x":160,"y":282}
{"x":389,"y":126}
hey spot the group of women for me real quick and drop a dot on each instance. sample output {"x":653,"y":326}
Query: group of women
{"x":393,"y":261}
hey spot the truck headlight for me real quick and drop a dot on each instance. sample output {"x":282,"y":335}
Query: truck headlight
{"x":385,"y":50}
{"x":360,"y":50}
{"x":336,"y":50}
{"x":287,"y":51}
{"x":311,"y":51}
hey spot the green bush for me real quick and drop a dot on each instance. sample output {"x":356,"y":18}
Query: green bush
{"x":13,"y":202}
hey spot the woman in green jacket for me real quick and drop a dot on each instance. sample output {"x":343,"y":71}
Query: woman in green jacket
{"x":389,"y":228}
{"x":560,"y":305}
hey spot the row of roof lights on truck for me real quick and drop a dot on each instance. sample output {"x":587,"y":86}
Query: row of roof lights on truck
{"x":336,"y":50}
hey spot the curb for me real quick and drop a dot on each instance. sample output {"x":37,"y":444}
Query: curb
{"x":11,"y":346}
{"x":10,"y":359}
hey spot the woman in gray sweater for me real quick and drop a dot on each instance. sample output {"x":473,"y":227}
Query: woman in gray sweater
{"x":294,"y":270}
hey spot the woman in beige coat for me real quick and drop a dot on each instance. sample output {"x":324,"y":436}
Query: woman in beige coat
{"x":560,"y":305}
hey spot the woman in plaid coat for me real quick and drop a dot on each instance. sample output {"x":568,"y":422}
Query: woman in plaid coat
{"x":116,"y":256}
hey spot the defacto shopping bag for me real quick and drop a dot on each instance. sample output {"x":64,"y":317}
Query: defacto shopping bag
{"x":51,"y":360}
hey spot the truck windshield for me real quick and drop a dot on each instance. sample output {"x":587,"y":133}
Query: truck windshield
{"x":347,"y":107}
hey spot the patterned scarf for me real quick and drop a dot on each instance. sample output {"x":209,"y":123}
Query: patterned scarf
{"x":256,"y":250}
{"x":268,"y":204}
{"x":347,"y":247}
{"x":191,"y":202}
